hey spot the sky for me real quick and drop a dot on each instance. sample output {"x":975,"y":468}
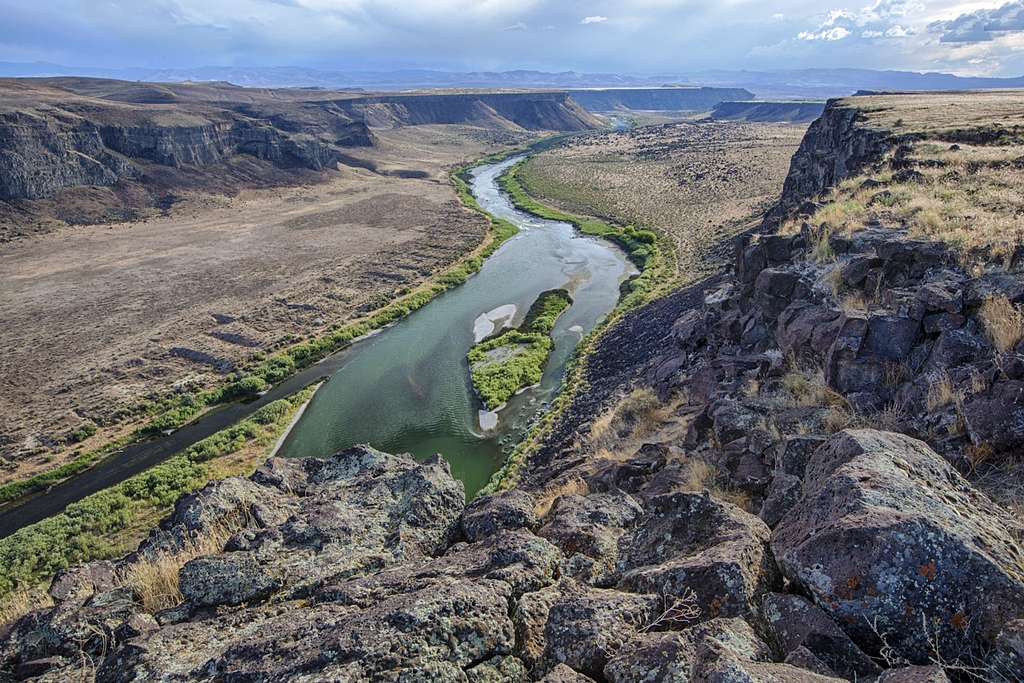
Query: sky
{"x":972,"y":37}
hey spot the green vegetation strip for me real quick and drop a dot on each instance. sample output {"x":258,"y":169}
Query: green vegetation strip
{"x":642,"y":246}
{"x":511,"y":361}
{"x":657,"y":278}
{"x":175,"y":411}
{"x":106,"y":524}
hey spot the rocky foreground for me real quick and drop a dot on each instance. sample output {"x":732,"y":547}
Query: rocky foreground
{"x":368,"y":566}
{"x":871,"y":557}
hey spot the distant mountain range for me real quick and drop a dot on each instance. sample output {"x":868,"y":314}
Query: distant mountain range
{"x":798,"y":83}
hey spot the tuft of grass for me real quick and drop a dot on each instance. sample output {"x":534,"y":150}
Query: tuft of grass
{"x":21,"y":602}
{"x":156,"y":579}
{"x":1003,"y":323}
{"x":941,"y":392}
{"x":702,"y":476}
{"x":808,"y":389}
{"x":547,"y":498}
{"x":636,"y":415}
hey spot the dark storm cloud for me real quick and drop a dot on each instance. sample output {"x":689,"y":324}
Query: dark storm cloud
{"x":982,"y":25}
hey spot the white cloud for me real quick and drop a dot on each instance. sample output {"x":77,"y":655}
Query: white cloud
{"x":831,"y":34}
{"x":838,"y":15}
{"x":596,"y":19}
{"x":518,"y":26}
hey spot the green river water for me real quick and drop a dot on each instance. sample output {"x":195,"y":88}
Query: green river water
{"x":406,"y":389}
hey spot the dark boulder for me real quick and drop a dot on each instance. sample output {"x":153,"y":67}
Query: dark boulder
{"x":587,"y":530}
{"x":783,"y":493}
{"x":806,"y":329}
{"x":584,"y":628}
{"x":793,"y":453}
{"x":890,"y":337}
{"x":505,"y":511}
{"x":794,"y":622}
{"x":716,"y":663}
{"x":888,"y":534}
{"x":689,"y":541}
{"x":995,"y":418}
{"x":229,"y":579}
{"x":956,"y":347}
{"x":669,"y":657}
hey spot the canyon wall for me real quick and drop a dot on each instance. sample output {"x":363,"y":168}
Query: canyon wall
{"x":657,"y":99}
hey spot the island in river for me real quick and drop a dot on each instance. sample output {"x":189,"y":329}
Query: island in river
{"x":515,"y":359}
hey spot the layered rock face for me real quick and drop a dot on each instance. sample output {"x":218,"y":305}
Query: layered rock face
{"x":533,"y":111}
{"x":657,"y":99}
{"x":67,"y":133}
{"x":789,"y":112}
{"x":834,"y":148}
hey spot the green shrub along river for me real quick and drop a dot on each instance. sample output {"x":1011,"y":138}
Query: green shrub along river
{"x":513,"y":360}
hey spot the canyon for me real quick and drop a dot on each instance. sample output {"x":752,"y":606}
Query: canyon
{"x":798,"y":467}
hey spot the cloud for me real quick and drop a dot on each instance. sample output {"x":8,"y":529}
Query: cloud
{"x":896,"y":31}
{"x":596,"y":19}
{"x":830,"y":34}
{"x":981,"y":26}
{"x":870,"y":22}
{"x":518,"y":26}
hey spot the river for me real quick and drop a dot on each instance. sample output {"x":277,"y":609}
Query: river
{"x":408,"y":388}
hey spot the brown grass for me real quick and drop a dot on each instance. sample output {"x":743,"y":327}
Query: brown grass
{"x":550,"y":495}
{"x":807,"y":388}
{"x":19,"y":603}
{"x":155,"y":580}
{"x":701,"y":476}
{"x":941,"y":392}
{"x":1003,"y":322}
{"x":968,"y":195}
{"x":635,"y":416}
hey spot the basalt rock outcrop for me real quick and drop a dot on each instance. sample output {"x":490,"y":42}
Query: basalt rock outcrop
{"x":834,"y":148}
{"x":757,"y":111}
{"x":368,"y":566}
{"x":657,"y":99}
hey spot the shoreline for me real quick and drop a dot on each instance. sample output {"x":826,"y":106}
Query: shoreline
{"x":295,"y":420}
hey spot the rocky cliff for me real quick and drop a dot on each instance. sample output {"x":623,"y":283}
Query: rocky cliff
{"x":554,"y":111}
{"x":768,"y":112}
{"x":764,"y":529}
{"x":57,"y":134}
{"x":657,"y":99}
{"x":837,"y":145}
